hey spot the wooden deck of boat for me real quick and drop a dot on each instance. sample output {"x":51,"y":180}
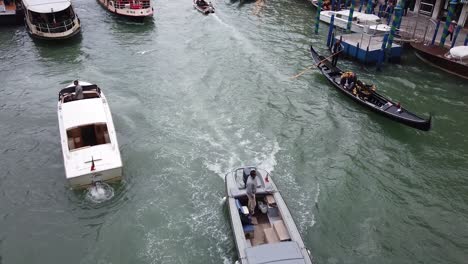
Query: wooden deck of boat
{"x":433,"y":49}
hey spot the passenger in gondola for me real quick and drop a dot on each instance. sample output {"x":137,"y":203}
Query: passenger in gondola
{"x":364,"y":90}
{"x":348,"y":80}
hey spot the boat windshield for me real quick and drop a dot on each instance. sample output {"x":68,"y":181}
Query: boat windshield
{"x":87,"y":136}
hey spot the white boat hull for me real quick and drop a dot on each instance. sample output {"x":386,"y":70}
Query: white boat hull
{"x":90,"y":162}
{"x":325,"y":16}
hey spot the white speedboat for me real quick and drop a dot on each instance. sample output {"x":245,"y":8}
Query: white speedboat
{"x":51,"y":20}
{"x":87,"y":134}
{"x":361,"y":22}
{"x":270,"y":235}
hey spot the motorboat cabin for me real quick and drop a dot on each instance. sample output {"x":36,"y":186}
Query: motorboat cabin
{"x":51,"y":20}
{"x":89,"y":141}
{"x":361,"y":22}
{"x":134,"y":9}
{"x":270,"y":234}
{"x":11,"y":12}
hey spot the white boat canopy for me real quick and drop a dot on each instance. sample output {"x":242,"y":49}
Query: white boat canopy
{"x":46,"y":6}
{"x":459,"y":52}
{"x":361,"y":16}
{"x":83,"y":112}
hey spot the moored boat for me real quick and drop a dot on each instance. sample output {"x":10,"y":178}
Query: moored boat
{"x":203,"y":7}
{"x":11,"y":12}
{"x":361,"y":22}
{"x":133,"y":9}
{"x":89,"y":141}
{"x":373,"y":100}
{"x":51,"y":20}
{"x":454,"y":61}
{"x":270,"y":235}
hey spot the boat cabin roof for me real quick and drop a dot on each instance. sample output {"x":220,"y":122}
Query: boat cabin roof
{"x":357,"y":15}
{"x":278,"y":253}
{"x":82,"y":112}
{"x":46,"y":6}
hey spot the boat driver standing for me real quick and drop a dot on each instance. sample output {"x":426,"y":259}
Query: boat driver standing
{"x":78,"y":90}
{"x":251,"y":189}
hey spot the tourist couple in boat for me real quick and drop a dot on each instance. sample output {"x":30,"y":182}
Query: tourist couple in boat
{"x":358,"y":88}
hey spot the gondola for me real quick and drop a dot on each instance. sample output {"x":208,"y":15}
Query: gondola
{"x":374,"y":101}
{"x":205,"y":9}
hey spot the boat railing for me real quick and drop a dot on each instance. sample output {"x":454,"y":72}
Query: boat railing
{"x":56,"y":27}
{"x":142,"y":4}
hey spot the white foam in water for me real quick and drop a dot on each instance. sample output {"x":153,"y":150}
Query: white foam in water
{"x":99,"y":192}
{"x":269,"y":161}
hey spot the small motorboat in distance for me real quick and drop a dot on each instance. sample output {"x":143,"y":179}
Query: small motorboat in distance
{"x":89,"y":142}
{"x":270,"y":235}
{"x":372,"y":100}
{"x":203,"y":7}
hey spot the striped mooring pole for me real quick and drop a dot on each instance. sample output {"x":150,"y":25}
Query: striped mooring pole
{"x":435,"y":32}
{"x":390,"y":13}
{"x":332,"y":5}
{"x":448,"y":20}
{"x":330,"y":31}
{"x":382,"y":52}
{"x":466,"y":40}
{"x":360,"y":5}
{"x":369,"y":7}
{"x":457,"y":31}
{"x":317,"y":18}
{"x":350,"y":18}
{"x":395,"y":25}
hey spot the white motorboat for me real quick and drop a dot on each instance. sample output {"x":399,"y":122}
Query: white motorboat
{"x":87,"y":134}
{"x":361,"y":22}
{"x":51,"y":20}
{"x":270,"y":235}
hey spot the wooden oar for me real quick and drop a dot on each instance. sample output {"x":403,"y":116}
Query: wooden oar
{"x":316,"y":65}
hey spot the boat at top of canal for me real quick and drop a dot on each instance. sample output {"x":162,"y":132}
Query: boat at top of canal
{"x":270,"y":234}
{"x":11,"y":12}
{"x":361,"y":22}
{"x":134,"y":9}
{"x":87,"y":134}
{"x":51,"y":20}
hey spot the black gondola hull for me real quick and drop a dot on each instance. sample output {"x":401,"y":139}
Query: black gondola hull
{"x":382,"y":105}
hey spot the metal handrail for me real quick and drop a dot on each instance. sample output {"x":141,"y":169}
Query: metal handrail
{"x":56,"y":27}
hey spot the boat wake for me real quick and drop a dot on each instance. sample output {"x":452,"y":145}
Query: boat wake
{"x":99,"y":192}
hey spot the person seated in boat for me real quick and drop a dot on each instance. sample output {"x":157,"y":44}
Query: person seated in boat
{"x":78,"y":90}
{"x":201,"y":3}
{"x":348,"y":80}
{"x":364,"y":90}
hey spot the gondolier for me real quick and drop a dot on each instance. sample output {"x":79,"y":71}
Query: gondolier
{"x":337,"y":48}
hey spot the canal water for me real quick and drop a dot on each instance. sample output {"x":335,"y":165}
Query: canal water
{"x":194,"y":96}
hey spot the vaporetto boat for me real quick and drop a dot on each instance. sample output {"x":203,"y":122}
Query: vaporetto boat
{"x":270,"y":235}
{"x":46,"y":19}
{"x":361,"y":22}
{"x":87,"y":134}
{"x":134,"y":9}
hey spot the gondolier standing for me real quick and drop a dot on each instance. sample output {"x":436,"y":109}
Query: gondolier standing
{"x":336,"y":52}
{"x":251,"y":189}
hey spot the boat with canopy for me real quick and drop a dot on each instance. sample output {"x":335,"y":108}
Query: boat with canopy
{"x":51,"y":20}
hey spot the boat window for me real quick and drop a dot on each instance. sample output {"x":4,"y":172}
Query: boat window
{"x":55,"y":22}
{"x":87,"y":136}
